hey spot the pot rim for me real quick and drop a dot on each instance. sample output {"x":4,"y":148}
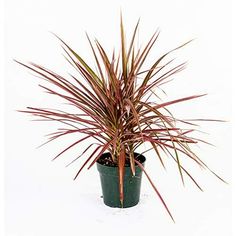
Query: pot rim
{"x":128,"y":167}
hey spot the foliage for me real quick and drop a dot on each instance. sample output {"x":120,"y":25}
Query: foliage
{"x":115,"y":108}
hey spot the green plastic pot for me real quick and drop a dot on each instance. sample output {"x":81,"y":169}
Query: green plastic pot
{"x":110,"y":184}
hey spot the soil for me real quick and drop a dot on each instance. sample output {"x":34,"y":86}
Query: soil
{"x":106,"y":160}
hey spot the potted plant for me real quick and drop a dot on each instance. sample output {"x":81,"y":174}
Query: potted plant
{"x":118,"y":106}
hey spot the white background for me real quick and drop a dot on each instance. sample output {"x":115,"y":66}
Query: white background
{"x":41,"y":197}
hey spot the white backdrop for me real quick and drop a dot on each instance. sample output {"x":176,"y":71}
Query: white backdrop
{"x":41,"y":197}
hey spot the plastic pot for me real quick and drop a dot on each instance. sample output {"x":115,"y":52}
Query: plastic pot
{"x":110,"y":184}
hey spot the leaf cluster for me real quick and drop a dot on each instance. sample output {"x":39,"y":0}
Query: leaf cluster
{"x":118,"y":105}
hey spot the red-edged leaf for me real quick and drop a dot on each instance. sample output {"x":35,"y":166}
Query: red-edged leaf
{"x":105,"y":147}
{"x":189,"y":175}
{"x":72,"y":145}
{"x":85,"y":150}
{"x":154,"y":187}
{"x":178,"y":100}
{"x":132,"y":163}
{"x":123,"y":50}
{"x":158,"y":154}
{"x":90,"y":157}
{"x":121,"y":165}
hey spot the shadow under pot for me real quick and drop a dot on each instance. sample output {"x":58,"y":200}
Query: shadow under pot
{"x":110,"y":182}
